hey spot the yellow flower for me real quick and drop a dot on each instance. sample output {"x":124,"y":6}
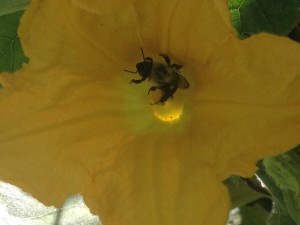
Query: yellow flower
{"x":71,"y":122}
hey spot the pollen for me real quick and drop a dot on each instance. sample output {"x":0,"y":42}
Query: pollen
{"x":169,"y":111}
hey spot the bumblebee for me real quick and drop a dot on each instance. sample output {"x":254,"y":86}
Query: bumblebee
{"x":165,"y":76}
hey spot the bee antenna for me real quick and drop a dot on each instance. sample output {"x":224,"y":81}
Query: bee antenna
{"x":128,"y":71}
{"x":143,"y":53}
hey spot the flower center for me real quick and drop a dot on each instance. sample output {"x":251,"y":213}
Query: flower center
{"x":169,"y":111}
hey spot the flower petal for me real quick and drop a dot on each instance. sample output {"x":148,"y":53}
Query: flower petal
{"x":66,"y":127}
{"x":56,"y":33}
{"x":188,"y":30}
{"x":248,"y":92}
{"x":157,"y":185}
{"x":57,"y":145}
{"x":67,"y":123}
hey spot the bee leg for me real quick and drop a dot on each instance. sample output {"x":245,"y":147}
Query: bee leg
{"x":176,"y":66}
{"x":168,"y":93}
{"x":138,"y":81}
{"x":152,"y":89}
{"x":128,"y":71}
{"x":166,"y":58}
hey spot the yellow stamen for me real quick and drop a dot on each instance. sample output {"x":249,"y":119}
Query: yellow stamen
{"x":169,"y":111}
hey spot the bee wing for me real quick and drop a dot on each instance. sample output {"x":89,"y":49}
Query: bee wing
{"x":182,"y":82}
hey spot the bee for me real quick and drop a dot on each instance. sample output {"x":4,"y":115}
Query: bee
{"x":165,"y":76}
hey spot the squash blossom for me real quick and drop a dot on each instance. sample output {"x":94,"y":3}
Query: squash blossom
{"x":71,"y":121}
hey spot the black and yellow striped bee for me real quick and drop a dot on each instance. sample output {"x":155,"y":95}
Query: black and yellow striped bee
{"x":165,"y":76}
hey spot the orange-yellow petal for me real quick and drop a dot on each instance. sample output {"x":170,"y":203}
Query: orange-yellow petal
{"x":69,"y":129}
{"x":187,"y":30}
{"x":73,"y":123}
{"x":248,"y":98}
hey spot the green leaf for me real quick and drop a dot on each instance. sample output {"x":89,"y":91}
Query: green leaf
{"x":240,"y":192}
{"x":11,"y":6}
{"x":11,"y":54}
{"x":295,"y":33}
{"x":254,"y":214}
{"x":280,"y":219}
{"x":285,"y":170}
{"x":281,"y":175}
{"x":272,"y":16}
